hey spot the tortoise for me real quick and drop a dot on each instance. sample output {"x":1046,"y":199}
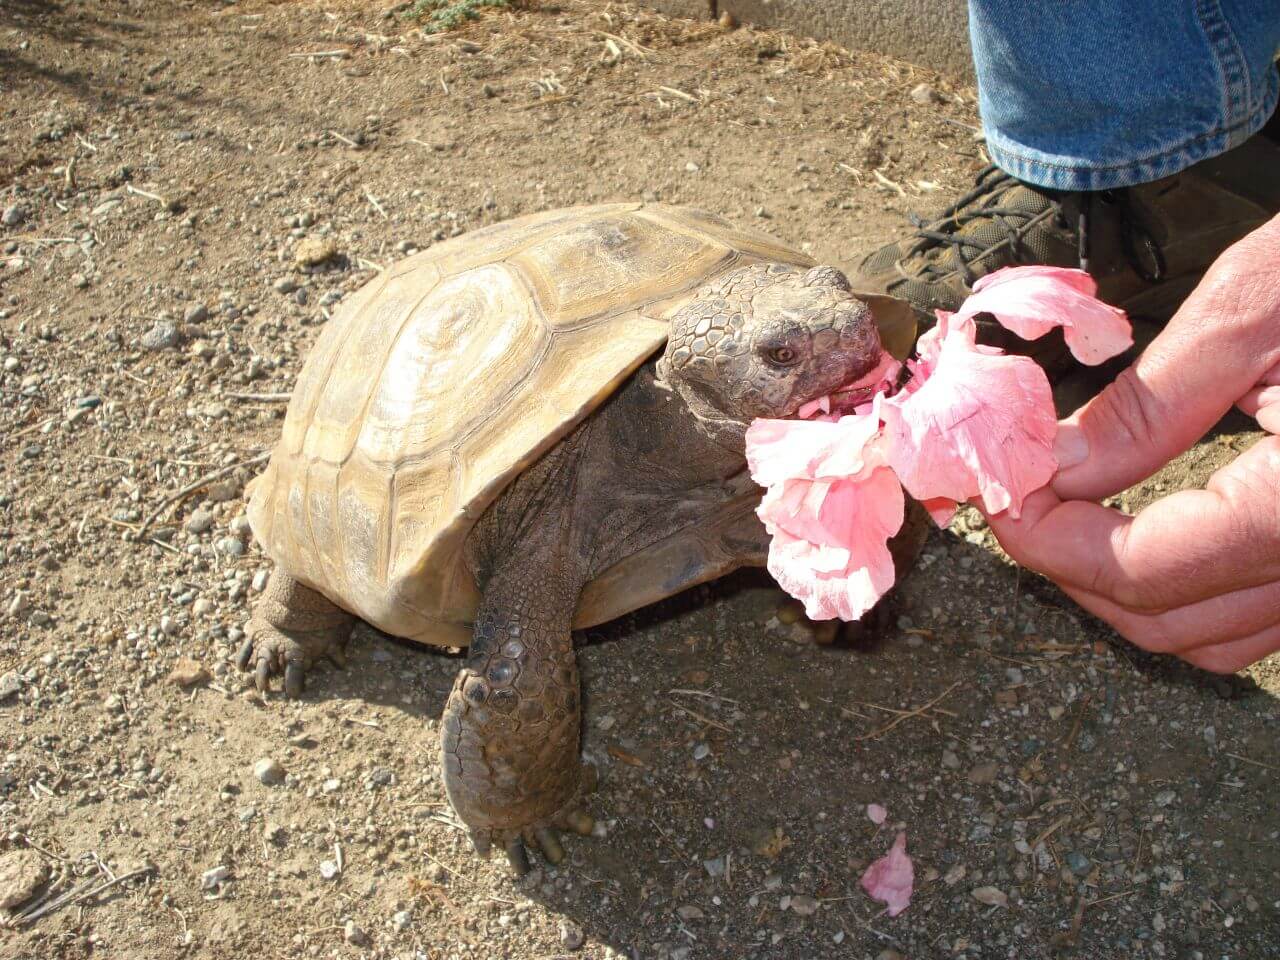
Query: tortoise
{"x":535,"y":427}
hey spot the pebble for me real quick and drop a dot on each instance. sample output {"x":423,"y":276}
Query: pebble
{"x":571,"y":935}
{"x":231,"y":546}
{"x":18,"y":605}
{"x":401,"y":921}
{"x":187,"y":673}
{"x":211,"y":878}
{"x":196,"y":313}
{"x":329,"y":869}
{"x":923,"y":93}
{"x":1080,"y":864}
{"x":354,"y":935}
{"x":285,"y":285}
{"x":688,"y":911}
{"x":199,"y":522}
{"x":163,"y":336}
{"x":1166,"y":798}
{"x":804,"y":905}
{"x":21,"y":874}
{"x":991,"y":896}
{"x":701,"y":751}
{"x":272,"y":832}
{"x":314,"y":250}
{"x":202,"y":607}
{"x":984,"y":773}
{"x":269,"y":771}
{"x":10,"y":684}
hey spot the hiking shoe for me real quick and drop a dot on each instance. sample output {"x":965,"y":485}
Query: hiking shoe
{"x":1147,"y":246}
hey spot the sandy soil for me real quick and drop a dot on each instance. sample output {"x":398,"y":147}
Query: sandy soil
{"x":160,"y":164}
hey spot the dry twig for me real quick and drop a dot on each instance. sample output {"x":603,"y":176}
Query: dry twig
{"x":191,"y":488}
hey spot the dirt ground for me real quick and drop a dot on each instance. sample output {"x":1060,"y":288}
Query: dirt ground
{"x":160,"y":166}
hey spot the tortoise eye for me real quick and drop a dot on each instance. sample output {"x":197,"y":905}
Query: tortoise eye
{"x":781,"y":356}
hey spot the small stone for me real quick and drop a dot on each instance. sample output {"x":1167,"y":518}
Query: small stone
{"x":890,"y":954}
{"x":269,"y":771}
{"x":984,"y":773}
{"x":187,"y":673}
{"x":272,"y":832}
{"x":691,"y":167}
{"x":354,"y":935}
{"x":991,"y":896}
{"x":804,"y":905}
{"x":701,"y":751}
{"x":18,"y":605}
{"x":714,"y":866}
{"x":950,"y":760}
{"x":314,"y":250}
{"x":10,"y":684}
{"x":162,"y":336}
{"x":688,"y":911}
{"x":260,"y":581}
{"x":571,"y":936}
{"x":1079,"y":864}
{"x":954,"y":875}
{"x":285,"y":285}
{"x":79,"y":281}
{"x":231,"y":546}
{"x":222,"y":491}
{"x":196,"y":313}
{"x":202,"y":607}
{"x":1166,"y":798}
{"x":328,"y":869}
{"x":211,"y":878}
{"x":199,"y":522}
{"x":925,"y":94}
{"x":401,"y":921}
{"x":21,"y":874}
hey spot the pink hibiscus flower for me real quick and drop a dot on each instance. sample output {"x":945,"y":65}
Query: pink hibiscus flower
{"x":972,"y":423}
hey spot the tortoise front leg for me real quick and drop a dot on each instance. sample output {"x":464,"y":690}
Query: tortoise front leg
{"x":511,"y":727}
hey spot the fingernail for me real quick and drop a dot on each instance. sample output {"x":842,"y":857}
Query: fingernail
{"x":1071,"y":447}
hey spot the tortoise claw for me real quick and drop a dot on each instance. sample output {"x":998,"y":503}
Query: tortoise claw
{"x":549,"y":844}
{"x":481,"y":842}
{"x":294,"y":679}
{"x":579,"y":822}
{"x":245,"y":654}
{"x":262,"y":677}
{"x":517,"y":856}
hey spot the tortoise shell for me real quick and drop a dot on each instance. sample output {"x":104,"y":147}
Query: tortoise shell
{"x":442,"y":379}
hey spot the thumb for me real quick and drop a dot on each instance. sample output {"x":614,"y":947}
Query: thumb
{"x":1218,"y":345}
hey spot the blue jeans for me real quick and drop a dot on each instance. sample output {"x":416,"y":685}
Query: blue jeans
{"x":1097,"y":94}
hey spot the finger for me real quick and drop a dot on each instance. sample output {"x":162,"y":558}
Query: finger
{"x":1221,"y":342}
{"x":1219,"y":620}
{"x":1188,"y":547}
{"x":1230,"y":657}
{"x":1263,"y":404}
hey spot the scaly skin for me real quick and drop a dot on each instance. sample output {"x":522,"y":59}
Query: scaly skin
{"x":292,"y":627}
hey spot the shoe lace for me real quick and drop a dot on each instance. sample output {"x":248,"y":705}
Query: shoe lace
{"x":945,"y":230}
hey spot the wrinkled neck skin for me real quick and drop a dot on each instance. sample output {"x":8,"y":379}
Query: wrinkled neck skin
{"x":712,"y":423}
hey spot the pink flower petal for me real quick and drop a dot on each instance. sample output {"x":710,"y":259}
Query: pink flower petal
{"x":1031,"y":301}
{"x":876,"y":813}
{"x":891,"y":878}
{"x":981,"y":424}
{"x":829,"y":546}
{"x":779,"y":450}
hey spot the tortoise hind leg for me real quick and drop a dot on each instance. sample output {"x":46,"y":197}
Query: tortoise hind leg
{"x":511,"y":727}
{"x":291,"y":628}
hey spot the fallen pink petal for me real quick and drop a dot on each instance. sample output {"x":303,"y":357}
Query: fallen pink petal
{"x":876,"y":813}
{"x":891,"y":879}
{"x":1031,"y":301}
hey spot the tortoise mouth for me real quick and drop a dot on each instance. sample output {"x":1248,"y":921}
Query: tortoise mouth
{"x":845,"y":401}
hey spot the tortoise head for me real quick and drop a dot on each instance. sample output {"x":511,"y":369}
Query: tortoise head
{"x":763,"y":340}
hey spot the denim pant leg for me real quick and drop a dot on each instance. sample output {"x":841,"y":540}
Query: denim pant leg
{"x":1097,"y":94}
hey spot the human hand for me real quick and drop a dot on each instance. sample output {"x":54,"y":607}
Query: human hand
{"x":1196,"y":574}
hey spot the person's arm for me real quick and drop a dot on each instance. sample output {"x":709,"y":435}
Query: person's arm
{"x":1196,"y":574}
